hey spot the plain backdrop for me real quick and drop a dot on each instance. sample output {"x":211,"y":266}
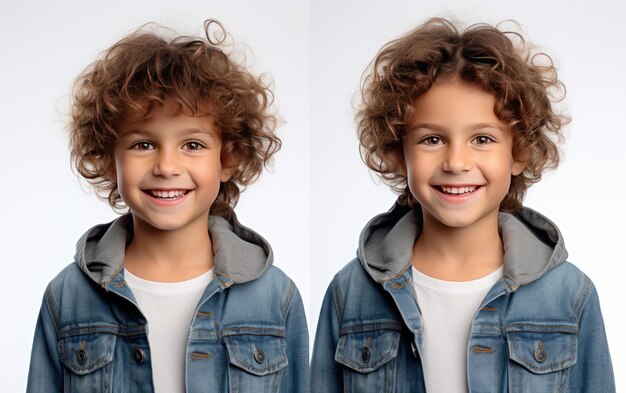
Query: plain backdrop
{"x":319,"y":196}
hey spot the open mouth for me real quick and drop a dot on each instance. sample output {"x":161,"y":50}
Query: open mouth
{"x":167,"y":195}
{"x":462,"y":190}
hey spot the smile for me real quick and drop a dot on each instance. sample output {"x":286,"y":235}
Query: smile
{"x":462,"y":190}
{"x":167,"y":195}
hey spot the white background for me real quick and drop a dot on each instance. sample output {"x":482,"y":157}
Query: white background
{"x":312,"y":208}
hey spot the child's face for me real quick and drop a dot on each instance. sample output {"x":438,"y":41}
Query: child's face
{"x":168,"y":168}
{"x":458,"y":155}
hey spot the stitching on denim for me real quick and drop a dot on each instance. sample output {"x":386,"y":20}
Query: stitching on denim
{"x":204,"y":314}
{"x":286,"y":303}
{"x":479,"y":349}
{"x":120,"y":330}
{"x":253,"y":331}
{"x":489,"y":308}
{"x":200,"y":356}
{"x":583,"y":298}
{"x":514,"y":287}
{"x":337,"y":297}
{"x":53,"y":310}
{"x":371,"y":327}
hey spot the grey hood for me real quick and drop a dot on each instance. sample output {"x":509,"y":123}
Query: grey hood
{"x":532,"y":243}
{"x":240,"y":253}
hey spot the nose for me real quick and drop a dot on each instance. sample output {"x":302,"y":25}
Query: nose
{"x":167,"y":163}
{"x":457,"y":159}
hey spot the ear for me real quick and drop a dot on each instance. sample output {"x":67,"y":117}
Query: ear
{"x":227,"y":173}
{"x":520,"y":162}
{"x":111,"y":173}
{"x":397,"y":158}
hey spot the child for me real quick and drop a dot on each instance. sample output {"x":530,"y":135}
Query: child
{"x":458,"y":287}
{"x":177,"y":295}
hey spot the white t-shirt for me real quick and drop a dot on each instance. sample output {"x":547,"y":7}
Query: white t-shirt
{"x":447,"y":310}
{"x":169,"y":309}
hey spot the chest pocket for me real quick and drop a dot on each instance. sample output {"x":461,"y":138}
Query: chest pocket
{"x":255,"y":361}
{"x":87,"y":362}
{"x":369,"y":359}
{"x":540,"y":361}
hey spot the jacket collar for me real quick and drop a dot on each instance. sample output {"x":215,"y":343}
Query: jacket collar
{"x":241,"y":254}
{"x":532,"y":244}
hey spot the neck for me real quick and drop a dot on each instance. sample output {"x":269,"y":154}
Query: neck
{"x":458,"y":254}
{"x":169,"y":255}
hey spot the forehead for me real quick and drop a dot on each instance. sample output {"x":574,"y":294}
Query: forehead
{"x":455,"y":103}
{"x":169,"y":119}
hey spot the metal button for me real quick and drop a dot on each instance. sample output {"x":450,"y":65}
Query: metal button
{"x":365,"y":355}
{"x":259,"y":356}
{"x":139,"y":356}
{"x":81,"y":356}
{"x":540,"y":353}
{"x":414,"y":350}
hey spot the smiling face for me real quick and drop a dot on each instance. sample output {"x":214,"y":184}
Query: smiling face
{"x":458,"y":155}
{"x":168,"y":169}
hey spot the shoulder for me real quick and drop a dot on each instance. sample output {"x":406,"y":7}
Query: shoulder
{"x":272,"y":290}
{"x":69,"y":282}
{"x":563,"y":290}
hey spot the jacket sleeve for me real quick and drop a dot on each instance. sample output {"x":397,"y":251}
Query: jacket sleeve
{"x":326,"y":374}
{"x":296,"y":379}
{"x":593,"y":371}
{"x":45,"y":374}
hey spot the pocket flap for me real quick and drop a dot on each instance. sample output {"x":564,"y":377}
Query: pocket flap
{"x":84,"y":354}
{"x":257,"y":354}
{"x":543,"y":352}
{"x":367,"y":351}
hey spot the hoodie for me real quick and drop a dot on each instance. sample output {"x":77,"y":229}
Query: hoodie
{"x":539,"y":328}
{"x":248,"y":331}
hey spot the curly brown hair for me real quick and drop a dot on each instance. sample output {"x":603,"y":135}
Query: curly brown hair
{"x":523,"y":81}
{"x":143,"y":70}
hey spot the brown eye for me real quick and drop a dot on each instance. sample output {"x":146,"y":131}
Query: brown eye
{"x":483,"y":140}
{"x":193,"y":146}
{"x":432,"y":140}
{"x":143,"y":146}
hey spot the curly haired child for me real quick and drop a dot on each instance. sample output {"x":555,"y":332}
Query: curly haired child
{"x":176,"y":295}
{"x":459,"y":287}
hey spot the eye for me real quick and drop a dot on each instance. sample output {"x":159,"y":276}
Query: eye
{"x":142,"y":145}
{"x":193,"y":146}
{"x":431,"y":140}
{"x":483,"y":140}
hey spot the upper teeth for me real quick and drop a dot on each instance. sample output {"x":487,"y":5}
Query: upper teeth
{"x":458,"y":190}
{"x":168,"y":194}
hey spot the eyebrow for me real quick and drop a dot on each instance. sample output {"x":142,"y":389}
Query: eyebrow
{"x":182,"y":132}
{"x":438,"y":128}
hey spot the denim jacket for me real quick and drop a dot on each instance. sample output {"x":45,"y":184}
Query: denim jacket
{"x":248,"y":333}
{"x":539,"y":329}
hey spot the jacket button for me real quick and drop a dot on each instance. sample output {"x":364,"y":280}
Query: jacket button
{"x":139,"y":356}
{"x":81,"y":356}
{"x":365,"y":355}
{"x":259,"y":356}
{"x":540,"y":355}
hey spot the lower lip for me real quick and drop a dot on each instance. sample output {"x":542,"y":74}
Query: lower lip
{"x":456,"y":198}
{"x":167,"y":202}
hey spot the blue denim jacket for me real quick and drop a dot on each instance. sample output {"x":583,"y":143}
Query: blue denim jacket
{"x":248,"y":333}
{"x":539,"y":329}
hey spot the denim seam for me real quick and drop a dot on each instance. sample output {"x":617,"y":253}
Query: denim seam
{"x":582,"y":299}
{"x":53,"y":310}
{"x":337,"y":297}
{"x":288,"y":300}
